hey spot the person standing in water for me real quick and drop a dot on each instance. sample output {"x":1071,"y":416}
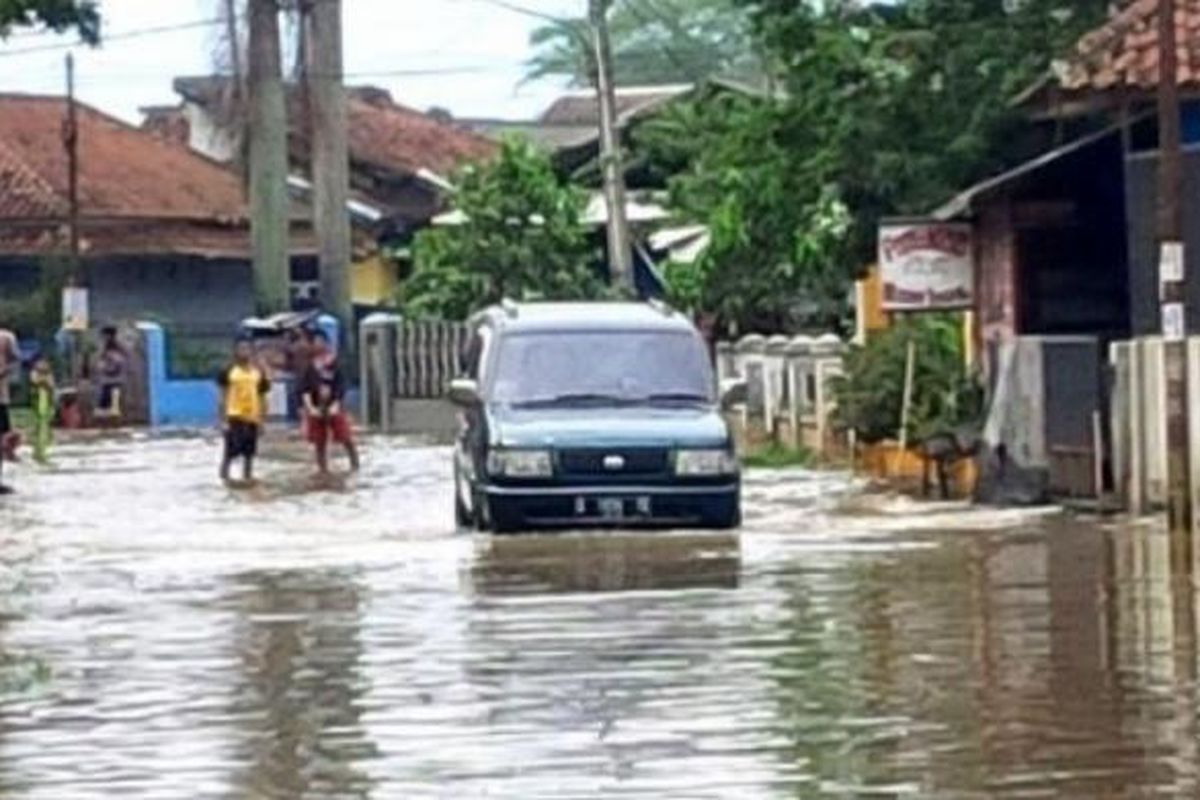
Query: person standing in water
{"x":323,"y":390}
{"x":243,"y":386}
{"x":10,"y":360}
{"x":41,"y":382}
{"x":111,"y":367}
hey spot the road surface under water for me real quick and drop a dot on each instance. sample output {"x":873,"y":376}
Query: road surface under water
{"x":163,"y":637}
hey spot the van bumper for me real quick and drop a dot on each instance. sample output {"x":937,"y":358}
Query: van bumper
{"x":517,"y":508}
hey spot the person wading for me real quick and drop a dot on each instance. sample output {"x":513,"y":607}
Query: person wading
{"x":323,"y":390}
{"x":41,"y":382}
{"x":243,"y":386}
{"x":10,"y":361}
{"x":112,"y":366}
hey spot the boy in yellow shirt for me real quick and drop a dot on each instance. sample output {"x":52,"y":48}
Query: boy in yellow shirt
{"x":244,"y":386}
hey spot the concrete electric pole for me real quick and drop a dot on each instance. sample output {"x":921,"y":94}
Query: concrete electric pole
{"x":328,"y":136}
{"x":620,"y":251}
{"x":269,"y":203}
{"x":1172,"y":273}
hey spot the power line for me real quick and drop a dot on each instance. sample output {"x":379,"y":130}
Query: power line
{"x":517,"y":8}
{"x":116,"y":37}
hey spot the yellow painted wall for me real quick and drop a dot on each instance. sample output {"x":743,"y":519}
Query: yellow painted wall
{"x":373,"y":281}
{"x":871,"y":316}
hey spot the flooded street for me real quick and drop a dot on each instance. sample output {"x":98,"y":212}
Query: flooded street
{"x":163,"y":637}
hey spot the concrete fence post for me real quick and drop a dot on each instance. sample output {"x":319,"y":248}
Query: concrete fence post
{"x":775,"y":390}
{"x":1193,"y":357}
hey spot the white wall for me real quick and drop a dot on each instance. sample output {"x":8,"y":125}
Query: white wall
{"x":206,"y":136}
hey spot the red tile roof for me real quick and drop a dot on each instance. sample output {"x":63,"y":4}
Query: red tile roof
{"x":123,"y":171}
{"x":387,"y":133}
{"x":138,"y":193}
{"x":1123,"y":53}
{"x":383,"y":133}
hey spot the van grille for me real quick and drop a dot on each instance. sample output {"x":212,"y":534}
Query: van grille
{"x":600,"y":462}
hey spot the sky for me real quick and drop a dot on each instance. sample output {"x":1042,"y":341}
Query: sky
{"x":466,"y":56}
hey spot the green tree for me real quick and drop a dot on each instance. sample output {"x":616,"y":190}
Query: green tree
{"x":889,"y":109}
{"x":654,"y":42}
{"x":907,"y":103}
{"x":58,"y":15}
{"x":520,"y":237}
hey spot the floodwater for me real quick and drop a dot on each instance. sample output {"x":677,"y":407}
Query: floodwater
{"x":163,"y":637}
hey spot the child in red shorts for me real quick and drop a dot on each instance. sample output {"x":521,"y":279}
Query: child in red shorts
{"x":323,"y":390}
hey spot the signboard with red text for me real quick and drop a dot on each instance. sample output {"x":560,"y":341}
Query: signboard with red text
{"x":926,"y":266}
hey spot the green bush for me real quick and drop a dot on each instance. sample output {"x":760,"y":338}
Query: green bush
{"x":946,"y":395}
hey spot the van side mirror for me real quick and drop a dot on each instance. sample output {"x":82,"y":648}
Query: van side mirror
{"x":734,"y":392}
{"x":464,"y":392}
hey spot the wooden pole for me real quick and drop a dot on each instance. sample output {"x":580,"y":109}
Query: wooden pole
{"x":269,"y":204}
{"x":71,"y":143}
{"x":620,"y":252}
{"x":75,"y":276}
{"x":1172,"y":277}
{"x":330,"y":157}
{"x":910,"y":366}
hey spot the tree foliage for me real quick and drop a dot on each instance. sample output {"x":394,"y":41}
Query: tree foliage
{"x":57,"y":15}
{"x":946,"y":396}
{"x":521,"y":237}
{"x":654,"y":42}
{"x":889,"y":109}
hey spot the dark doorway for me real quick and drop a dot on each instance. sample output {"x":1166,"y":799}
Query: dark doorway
{"x":1072,"y":254}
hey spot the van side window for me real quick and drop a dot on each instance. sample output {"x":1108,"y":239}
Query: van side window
{"x":475,"y":353}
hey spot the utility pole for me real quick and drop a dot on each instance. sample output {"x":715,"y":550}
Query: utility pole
{"x":235,"y":117}
{"x":1173,"y":282}
{"x":269,"y":204}
{"x":620,"y":251}
{"x":71,"y":144}
{"x":75,"y":278}
{"x":235,"y":49}
{"x":330,"y":156}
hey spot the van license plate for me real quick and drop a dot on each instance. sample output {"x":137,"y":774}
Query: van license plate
{"x":611,"y":508}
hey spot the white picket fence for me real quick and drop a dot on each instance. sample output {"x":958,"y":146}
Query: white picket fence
{"x":1138,"y":419}
{"x":790,"y":398}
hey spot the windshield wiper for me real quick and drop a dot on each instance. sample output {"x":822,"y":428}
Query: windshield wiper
{"x":571,"y":398}
{"x":677,"y":397}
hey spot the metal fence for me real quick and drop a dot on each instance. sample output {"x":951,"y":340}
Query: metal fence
{"x":407,"y":367}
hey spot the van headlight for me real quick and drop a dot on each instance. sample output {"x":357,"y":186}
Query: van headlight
{"x":700,"y":463}
{"x":520,"y":464}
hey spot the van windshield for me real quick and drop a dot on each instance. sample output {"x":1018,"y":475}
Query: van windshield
{"x":556,"y":367}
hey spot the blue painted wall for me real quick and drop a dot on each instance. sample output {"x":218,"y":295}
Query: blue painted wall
{"x":174,"y":403}
{"x":193,"y":403}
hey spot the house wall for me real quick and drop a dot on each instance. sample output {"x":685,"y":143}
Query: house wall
{"x":18,"y":276}
{"x":1141,"y":196}
{"x":373,"y":282}
{"x":196,"y":298}
{"x":995,"y":278}
{"x":206,"y":136}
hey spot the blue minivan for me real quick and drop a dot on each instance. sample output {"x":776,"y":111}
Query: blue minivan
{"x":592,"y":414}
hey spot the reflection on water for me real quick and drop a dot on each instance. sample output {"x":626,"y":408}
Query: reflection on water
{"x":174,"y":640}
{"x":606,"y":563}
{"x":298,"y":697}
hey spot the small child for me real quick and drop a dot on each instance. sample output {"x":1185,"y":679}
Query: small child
{"x":244,"y":386}
{"x":41,"y":381}
{"x":323,"y":390}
